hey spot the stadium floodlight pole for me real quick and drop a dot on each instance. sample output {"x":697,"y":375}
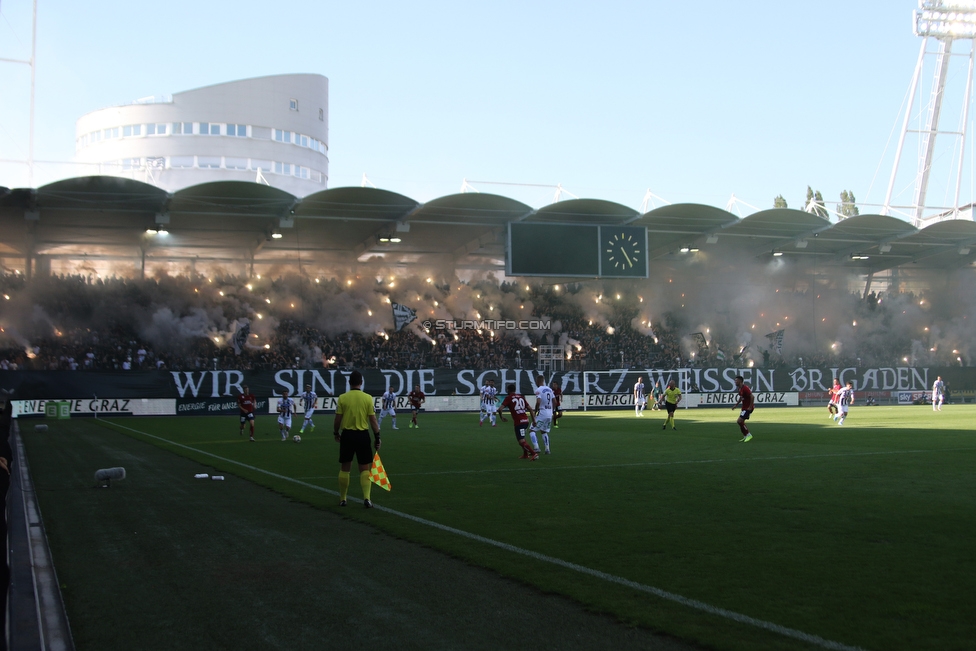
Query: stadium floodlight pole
{"x":945,"y":21}
{"x":32,"y":62}
{"x":965,"y":121}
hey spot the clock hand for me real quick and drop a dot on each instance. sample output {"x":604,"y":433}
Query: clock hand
{"x":626,"y":257}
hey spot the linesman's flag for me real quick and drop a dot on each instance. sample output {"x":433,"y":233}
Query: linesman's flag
{"x":402,"y":315}
{"x":776,"y":340}
{"x":377,"y":474}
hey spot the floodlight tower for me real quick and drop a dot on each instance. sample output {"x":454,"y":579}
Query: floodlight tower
{"x":944,"y":22}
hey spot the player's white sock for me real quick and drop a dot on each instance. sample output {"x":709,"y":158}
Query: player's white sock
{"x":492,"y":420}
{"x":545,"y":440}
{"x":535,"y":440}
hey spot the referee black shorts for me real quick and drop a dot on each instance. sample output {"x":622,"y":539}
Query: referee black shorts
{"x":671,"y":407}
{"x":355,"y":443}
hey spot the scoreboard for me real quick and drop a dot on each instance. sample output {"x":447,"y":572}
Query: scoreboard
{"x":576,"y":250}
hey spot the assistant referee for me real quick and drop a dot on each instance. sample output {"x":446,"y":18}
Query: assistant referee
{"x":355,"y":414}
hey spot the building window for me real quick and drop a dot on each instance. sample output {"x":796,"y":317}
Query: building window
{"x":111,"y":133}
{"x":282,"y":168}
{"x":177,"y":162}
{"x":208,"y":162}
{"x":321,"y":115}
{"x":239,"y":130}
{"x":126,"y":131}
{"x":293,"y":104}
{"x":183,"y":128}
{"x":155,"y":129}
{"x":209,"y":128}
{"x":262,"y":165}
{"x":131,"y":163}
{"x":235,"y":163}
{"x":282,"y":136}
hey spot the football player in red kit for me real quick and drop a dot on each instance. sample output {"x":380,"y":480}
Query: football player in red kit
{"x":747,"y":405}
{"x":833,"y":393}
{"x":521,"y":415}
{"x":246,"y":403}
{"x":416,"y":398}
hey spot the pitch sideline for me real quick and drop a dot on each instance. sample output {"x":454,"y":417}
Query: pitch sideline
{"x":611,"y":578}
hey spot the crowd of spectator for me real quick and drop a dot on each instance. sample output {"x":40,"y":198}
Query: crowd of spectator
{"x":102,"y":325}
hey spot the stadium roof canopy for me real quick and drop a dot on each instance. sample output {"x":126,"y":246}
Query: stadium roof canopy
{"x":239,"y":223}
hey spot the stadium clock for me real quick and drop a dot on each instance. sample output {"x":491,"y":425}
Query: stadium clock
{"x":623,"y":251}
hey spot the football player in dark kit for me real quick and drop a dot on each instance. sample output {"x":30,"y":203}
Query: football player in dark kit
{"x":416,"y":398}
{"x":247,"y":403}
{"x":747,"y":403}
{"x":521,"y":413}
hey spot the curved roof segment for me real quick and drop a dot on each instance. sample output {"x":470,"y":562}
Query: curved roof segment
{"x":246,"y":223}
{"x":588,"y":211}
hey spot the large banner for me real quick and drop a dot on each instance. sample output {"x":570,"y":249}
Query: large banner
{"x":214,"y":391}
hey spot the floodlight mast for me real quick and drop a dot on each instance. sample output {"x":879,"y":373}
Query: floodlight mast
{"x":945,"y":21}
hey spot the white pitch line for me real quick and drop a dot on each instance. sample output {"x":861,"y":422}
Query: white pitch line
{"x":658,"y":592}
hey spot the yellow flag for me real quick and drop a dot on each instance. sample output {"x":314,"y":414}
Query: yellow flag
{"x":377,"y":474}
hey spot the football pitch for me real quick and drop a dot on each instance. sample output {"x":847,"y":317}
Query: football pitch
{"x":812,"y":535}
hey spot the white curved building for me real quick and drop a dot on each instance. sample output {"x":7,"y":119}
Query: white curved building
{"x":272,"y":130}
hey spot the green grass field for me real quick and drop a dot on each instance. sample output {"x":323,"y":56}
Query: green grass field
{"x":860,"y":535}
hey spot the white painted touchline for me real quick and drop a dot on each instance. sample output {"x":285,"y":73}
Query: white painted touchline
{"x":658,"y":592}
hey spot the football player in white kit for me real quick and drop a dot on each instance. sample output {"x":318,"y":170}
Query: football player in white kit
{"x":846,"y":399}
{"x":488,"y":409}
{"x":545,"y":399}
{"x":308,"y":402}
{"x":640,"y":398}
{"x":938,"y":394}
{"x":285,"y":406}
{"x":388,"y":407}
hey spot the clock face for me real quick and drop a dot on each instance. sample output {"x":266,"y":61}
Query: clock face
{"x":624,"y":251}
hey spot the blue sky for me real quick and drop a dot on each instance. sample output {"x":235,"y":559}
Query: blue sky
{"x":694,"y":101}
